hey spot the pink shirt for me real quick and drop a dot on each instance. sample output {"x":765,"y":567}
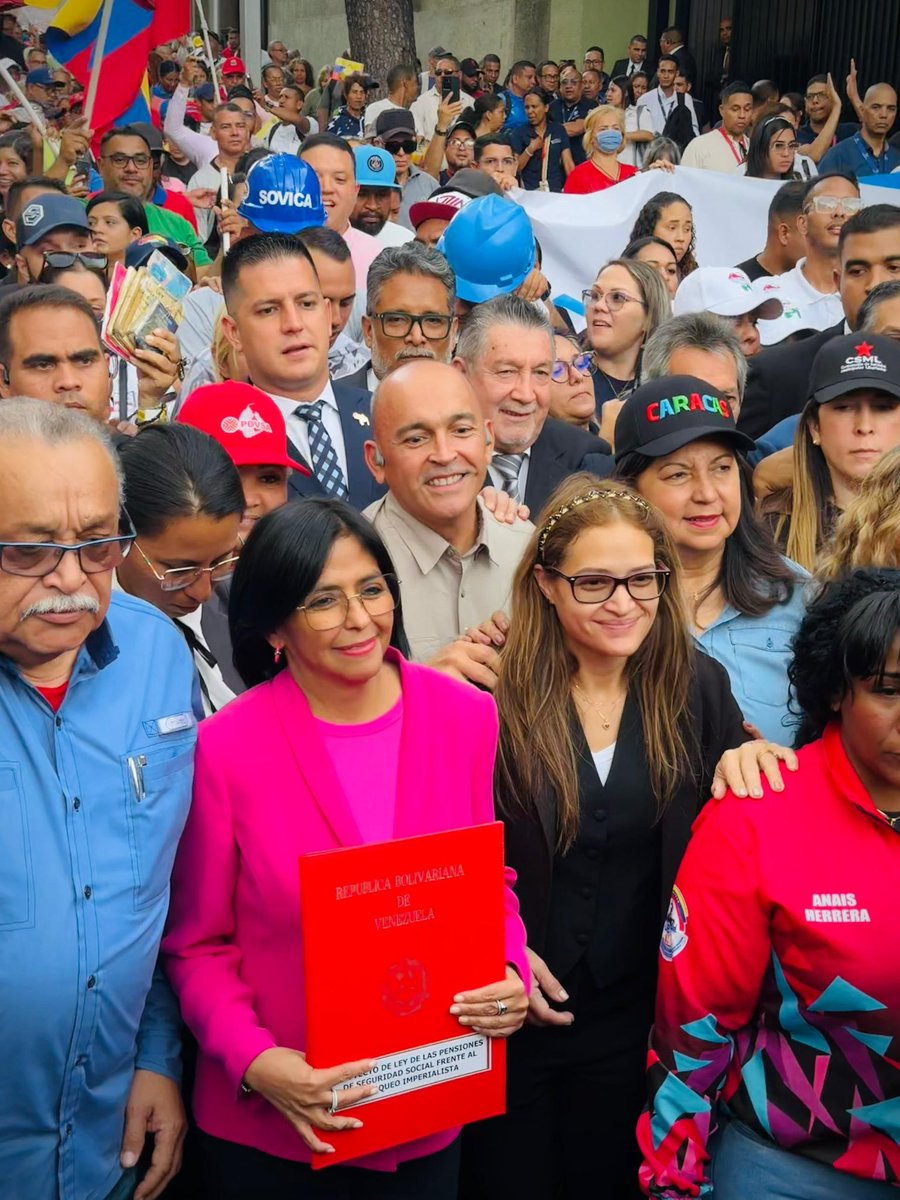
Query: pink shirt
{"x":364,"y":249}
{"x":366,"y":758}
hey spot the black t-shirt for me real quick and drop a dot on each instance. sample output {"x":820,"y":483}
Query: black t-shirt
{"x":531,"y":173}
{"x":608,"y":388}
{"x":752,"y":269}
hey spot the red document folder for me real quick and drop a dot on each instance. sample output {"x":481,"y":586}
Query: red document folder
{"x":392,"y":932}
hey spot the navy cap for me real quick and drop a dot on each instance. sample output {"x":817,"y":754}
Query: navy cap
{"x":204,"y":91}
{"x":168,"y":68}
{"x":43,"y":77}
{"x":666,"y":414}
{"x":140,"y":251}
{"x":855,"y":362}
{"x":48,"y":212}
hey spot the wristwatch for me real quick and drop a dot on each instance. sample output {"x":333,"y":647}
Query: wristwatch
{"x":441,"y":132}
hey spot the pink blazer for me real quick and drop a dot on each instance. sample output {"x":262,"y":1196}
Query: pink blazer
{"x":265,"y":791}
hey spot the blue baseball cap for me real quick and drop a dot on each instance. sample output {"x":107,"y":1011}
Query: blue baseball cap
{"x":204,"y":91}
{"x":42,"y":76}
{"x":283,"y":195}
{"x":47,"y":212}
{"x":375,"y":168}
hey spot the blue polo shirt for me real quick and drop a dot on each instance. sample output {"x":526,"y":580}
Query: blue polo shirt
{"x":856,"y":155}
{"x":806,"y":135}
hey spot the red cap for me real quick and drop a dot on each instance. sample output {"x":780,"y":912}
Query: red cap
{"x":246,"y":422}
{"x":232,"y":66}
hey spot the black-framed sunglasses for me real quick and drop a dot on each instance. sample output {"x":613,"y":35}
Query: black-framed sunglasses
{"x":61,"y":260}
{"x":597,"y":589}
{"x":95,"y":555}
{"x":408,"y":146}
{"x":434,"y":326}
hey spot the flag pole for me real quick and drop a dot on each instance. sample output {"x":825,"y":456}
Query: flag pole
{"x":97,"y":62}
{"x":24,"y":101}
{"x":204,"y":29}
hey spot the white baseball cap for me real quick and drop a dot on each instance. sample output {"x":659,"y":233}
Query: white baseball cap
{"x":793,"y":317}
{"x":726,"y":291}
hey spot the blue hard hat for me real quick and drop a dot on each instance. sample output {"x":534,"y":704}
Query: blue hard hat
{"x":283,"y":195}
{"x":490,"y":246}
{"x":375,"y":168}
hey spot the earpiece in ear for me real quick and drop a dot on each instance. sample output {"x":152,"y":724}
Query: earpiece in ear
{"x":5,"y":371}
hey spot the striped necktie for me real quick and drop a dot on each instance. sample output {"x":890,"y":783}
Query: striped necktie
{"x":507,"y":467}
{"x":325,"y":465}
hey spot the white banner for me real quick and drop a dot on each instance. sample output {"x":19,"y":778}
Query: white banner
{"x":578,"y":234}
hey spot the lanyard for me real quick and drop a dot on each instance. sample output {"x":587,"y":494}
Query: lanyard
{"x":665,"y":115}
{"x":738,"y":158}
{"x":879,"y":164}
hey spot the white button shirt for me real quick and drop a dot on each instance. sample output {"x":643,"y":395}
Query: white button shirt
{"x":298,"y":430}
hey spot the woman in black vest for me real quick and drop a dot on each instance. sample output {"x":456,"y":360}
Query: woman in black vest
{"x":611,"y":727}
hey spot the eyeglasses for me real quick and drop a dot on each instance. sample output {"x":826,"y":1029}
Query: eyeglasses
{"x":328,"y":610}
{"x":830,"y":204}
{"x":121,"y":160}
{"x":434,"y":326}
{"x":442,"y":74}
{"x":581,"y":364}
{"x":815,"y":96}
{"x":177,"y":578}
{"x":408,"y":146}
{"x":37,"y":559}
{"x":792,"y":146}
{"x":596,"y":589}
{"x":61,"y":260}
{"x":615,"y":300}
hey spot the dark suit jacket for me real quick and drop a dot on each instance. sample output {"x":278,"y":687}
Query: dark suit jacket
{"x":778,"y":382}
{"x":687,"y":64}
{"x":354,"y":407}
{"x":560,"y":450}
{"x":531,"y":833}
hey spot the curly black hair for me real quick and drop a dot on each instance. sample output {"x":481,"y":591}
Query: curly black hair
{"x":848,"y":634}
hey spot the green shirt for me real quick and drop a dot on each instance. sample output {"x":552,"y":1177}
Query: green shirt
{"x":171,"y":225}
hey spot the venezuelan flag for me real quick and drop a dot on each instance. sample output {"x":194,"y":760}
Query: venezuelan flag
{"x":135,"y":28}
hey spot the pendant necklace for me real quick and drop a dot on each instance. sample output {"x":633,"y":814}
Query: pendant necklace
{"x":604,"y":719}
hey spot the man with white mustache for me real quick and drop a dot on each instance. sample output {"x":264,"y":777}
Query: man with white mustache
{"x":410,"y":306}
{"x":97,"y":726}
{"x":455,"y":561}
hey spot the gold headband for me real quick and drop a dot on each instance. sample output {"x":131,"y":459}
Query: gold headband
{"x":585,"y":498}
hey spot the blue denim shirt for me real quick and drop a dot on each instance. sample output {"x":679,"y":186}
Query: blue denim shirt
{"x":755,"y":651}
{"x":93,"y":800}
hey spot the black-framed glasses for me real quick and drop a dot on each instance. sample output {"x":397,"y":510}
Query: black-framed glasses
{"x":562,"y":370}
{"x":408,"y":146}
{"x":121,"y":160}
{"x":434,"y":326}
{"x":329,"y":609}
{"x":596,"y":589}
{"x":95,"y":555}
{"x":61,"y":260}
{"x":176,"y":579}
{"x":615,"y":300}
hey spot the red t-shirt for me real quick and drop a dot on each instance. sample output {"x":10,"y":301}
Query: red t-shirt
{"x":587,"y":178}
{"x":176,"y":202}
{"x":54,"y":695}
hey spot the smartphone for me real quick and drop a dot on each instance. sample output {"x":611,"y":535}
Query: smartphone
{"x":450,"y":87}
{"x":83,"y":167}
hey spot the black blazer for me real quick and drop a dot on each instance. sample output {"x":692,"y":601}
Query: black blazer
{"x":687,"y":64}
{"x":531,"y":831}
{"x":778,"y":382}
{"x":560,"y":450}
{"x":620,"y":67}
{"x":354,"y":406}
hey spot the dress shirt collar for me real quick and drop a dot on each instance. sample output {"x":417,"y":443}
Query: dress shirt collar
{"x":288,"y":406}
{"x":428,"y":547}
{"x":96,"y":652}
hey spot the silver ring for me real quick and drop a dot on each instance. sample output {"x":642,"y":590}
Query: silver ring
{"x":502,"y":1010}
{"x":333,"y":1107}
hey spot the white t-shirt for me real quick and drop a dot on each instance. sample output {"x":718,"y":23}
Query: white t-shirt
{"x":716,"y":151}
{"x":373,"y":111}
{"x":603,"y":760}
{"x":392,"y":234}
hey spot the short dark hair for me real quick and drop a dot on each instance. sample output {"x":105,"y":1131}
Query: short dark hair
{"x":847,"y":634}
{"x":522,"y":65}
{"x":124,"y":131}
{"x":668,"y":58}
{"x":259,"y":248}
{"x":132,"y":209}
{"x":638,"y":37}
{"x":173,"y":471}
{"x":491,"y":139}
{"x":295,"y":88}
{"x":22,"y":185}
{"x":812,"y":184}
{"x":399,"y":74}
{"x":878,"y":295}
{"x":540,"y":93}
{"x":228,"y":106}
{"x":38,"y":295}
{"x":875,"y":218}
{"x":591,"y":71}
{"x":787,"y":201}
{"x":241,"y":92}
{"x":599,"y":50}
{"x":320,"y":237}
{"x":270,"y":67}
{"x":765,"y":90}
{"x":279,"y":567}
{"x":738,"y":88}
{"x":548,"y":62}
{"x":492,"y":58}
{"x":816,"y":79}
{"x":331,"y":140}
{"x":672,"y":31}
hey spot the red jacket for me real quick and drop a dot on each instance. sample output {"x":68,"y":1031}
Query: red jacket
{"x":779,"y":989}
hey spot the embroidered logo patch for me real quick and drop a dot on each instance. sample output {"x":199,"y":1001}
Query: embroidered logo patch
{"x":674,"y":934}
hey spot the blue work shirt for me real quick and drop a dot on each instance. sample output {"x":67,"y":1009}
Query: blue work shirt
{"x":516,"y":116}
{"x":779,"y":437}
{"x":93,"y":800}
{"x":755,"y":651}
{"x":856,"y":155}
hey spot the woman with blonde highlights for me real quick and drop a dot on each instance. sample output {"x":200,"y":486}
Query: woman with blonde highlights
{"x":611,"y":726}
{"x":868,"y":533}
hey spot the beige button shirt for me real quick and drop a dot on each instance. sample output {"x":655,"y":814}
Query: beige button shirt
{"x":442,"y":592}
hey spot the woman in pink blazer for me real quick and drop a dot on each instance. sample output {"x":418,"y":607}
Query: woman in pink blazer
{"x":342,"y":742}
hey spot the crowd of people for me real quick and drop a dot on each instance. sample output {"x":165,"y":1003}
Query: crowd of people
{"x":388,"y":538}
